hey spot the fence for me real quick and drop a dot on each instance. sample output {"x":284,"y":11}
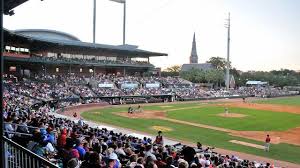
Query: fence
{"x":17,"y":156}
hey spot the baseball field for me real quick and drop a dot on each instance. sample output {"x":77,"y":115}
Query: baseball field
{"x":242,"y":129}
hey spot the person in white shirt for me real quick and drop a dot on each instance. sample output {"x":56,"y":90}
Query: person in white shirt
{"x":202,"y":160}
{"x":148,"y":152}
{"x":120,"y":150}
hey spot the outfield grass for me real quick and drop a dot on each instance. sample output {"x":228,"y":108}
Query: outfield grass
{"x":256,"y":120}
{"x":209,"y":137}
{"x":294,"y":101}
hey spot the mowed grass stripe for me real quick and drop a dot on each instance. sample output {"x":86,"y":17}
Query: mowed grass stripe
{"x":219,"y":139}
{"x":255,"y":120}
{"x":294,"y":101}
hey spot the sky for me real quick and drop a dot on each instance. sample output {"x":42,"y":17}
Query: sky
{"x":265,"y":34}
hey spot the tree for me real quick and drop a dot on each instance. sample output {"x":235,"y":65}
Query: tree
{"x":218,"y":62}
{"x":214,"y":76}
{"x":171,"y":71}
{"x":279,"y":78}
{"x":174,"y":68}
{"x":194,"y":75}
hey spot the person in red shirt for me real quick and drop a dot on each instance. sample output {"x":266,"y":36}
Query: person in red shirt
{"x":62,"y":138}
{"x":159,"y":139}
{"x":267,"y":144}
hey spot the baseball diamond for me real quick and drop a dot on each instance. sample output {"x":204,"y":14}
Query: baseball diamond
{"x":198,"y":121}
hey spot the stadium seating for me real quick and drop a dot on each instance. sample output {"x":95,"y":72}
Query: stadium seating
{"x":67,"y":143}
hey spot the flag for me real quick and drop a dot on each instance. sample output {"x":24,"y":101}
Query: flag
{"x":119,"y":1}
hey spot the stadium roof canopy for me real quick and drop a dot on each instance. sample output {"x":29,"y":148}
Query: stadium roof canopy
{"x":47,"y":34}
{"x":10,"y":4}
{"x":38,"y":40}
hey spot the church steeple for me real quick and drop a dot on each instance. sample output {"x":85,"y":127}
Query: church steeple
{"x":194,"y":56}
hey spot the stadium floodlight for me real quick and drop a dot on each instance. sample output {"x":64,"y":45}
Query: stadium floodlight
{"x":124,"y":18}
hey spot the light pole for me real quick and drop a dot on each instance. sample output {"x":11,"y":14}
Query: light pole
{"x":94,"y":22}
{"x":124,"y":23}
{"x":124,"y":19}
{"x":228,"y":52}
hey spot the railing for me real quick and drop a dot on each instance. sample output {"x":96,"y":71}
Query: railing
{"x":17,"y":156}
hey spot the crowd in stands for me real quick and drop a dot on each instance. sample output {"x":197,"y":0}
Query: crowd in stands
{"x":263,"y":91}
{"x":71,"y":144}
{"x":87,"y":61}
{"x":50,"y":87}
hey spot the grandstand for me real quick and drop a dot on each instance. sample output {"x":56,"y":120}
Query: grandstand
{"x":57,"y":52}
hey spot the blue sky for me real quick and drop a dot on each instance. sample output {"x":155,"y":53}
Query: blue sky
{"x":265,"y":33}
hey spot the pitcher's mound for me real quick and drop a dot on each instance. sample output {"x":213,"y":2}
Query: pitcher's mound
{"x":231,"y":115}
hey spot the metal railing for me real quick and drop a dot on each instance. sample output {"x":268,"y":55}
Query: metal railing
{"x":17,"y":156}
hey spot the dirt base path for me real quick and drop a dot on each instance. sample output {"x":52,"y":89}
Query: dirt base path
{"x":231,"y":115}
{"x":144,"y":114}
{"x":69,"y":111}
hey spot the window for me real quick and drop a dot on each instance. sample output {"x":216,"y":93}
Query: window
{"x":57,"y":69}
{"x":91,"y":70}
{"x":80,"y":70}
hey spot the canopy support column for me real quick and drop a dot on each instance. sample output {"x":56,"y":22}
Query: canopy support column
{"x":70,"y":69}
{"x":94,"y":71}
{"x":124,"y":71}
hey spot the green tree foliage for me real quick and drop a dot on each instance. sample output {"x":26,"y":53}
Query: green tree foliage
{"x":171,"y":71}
{"x":174,"y":68}
{"x":279,"y":78}
{"x":200,"y":76}
{"x":218,"y":62}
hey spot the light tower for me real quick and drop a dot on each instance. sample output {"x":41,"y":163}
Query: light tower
{"x":124,"y":18}
{"x":228,"y":52}
{"x":94,"y":22}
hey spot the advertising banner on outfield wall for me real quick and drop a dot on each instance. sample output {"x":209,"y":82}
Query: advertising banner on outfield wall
{"x":129,"y":85}
{"x":105,"y":85}
{"x":152,"y":85}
